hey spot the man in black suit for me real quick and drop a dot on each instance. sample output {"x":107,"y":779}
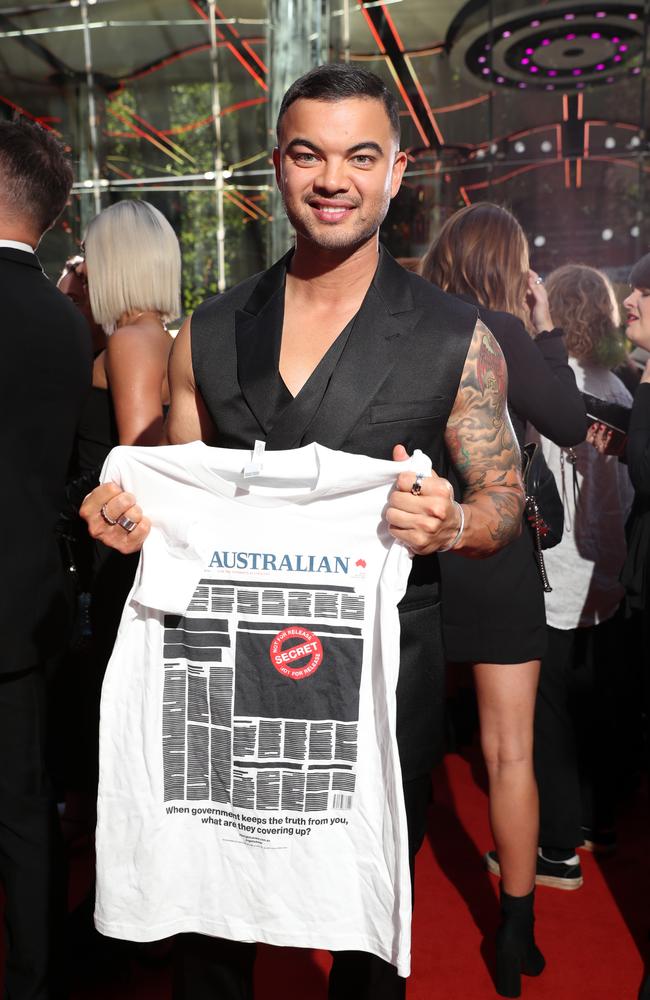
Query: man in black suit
{"x":336,"y":343}
{"x":44,"y":377}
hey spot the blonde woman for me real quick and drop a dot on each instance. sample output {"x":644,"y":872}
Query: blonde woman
{"x":493,"y":609}
{"x":133,"y":269}
{"x":132,"y":272}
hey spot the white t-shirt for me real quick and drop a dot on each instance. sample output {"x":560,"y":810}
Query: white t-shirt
{"x":250,"y":785}
{"x":584,"y":568}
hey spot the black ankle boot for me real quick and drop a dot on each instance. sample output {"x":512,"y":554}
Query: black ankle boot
{"x":516,"y":948}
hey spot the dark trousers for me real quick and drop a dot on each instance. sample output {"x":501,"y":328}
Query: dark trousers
{"x":575,"y":731}
{"x":31,"y":857}
{"x":210,"y":968}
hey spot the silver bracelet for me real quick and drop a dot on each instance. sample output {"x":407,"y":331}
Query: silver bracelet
{"x":461,"y":528}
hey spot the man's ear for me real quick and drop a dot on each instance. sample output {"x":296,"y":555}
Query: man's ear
{"x":399,"y":166}
{"x":277,"y":164}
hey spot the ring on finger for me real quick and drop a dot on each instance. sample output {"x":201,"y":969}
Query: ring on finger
{"x":106,"y":516}
{"x":539,"y":281}
{"x":126,"y":523}
{"x":416,"y":488}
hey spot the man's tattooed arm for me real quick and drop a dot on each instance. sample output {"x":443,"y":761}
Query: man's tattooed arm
{"x":484,"y":449}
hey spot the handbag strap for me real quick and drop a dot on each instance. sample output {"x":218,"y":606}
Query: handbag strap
{"x":568,"y":455}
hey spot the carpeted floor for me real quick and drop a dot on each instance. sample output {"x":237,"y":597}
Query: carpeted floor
{"x":593,"y":938}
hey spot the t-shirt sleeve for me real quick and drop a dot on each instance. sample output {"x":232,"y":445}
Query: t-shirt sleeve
{"x":170,"y":561}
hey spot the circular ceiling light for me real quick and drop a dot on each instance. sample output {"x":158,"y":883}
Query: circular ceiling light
{"x":607,"y":234}
{"x":589,"y":44}
{"x":635,"y":231}
{"x":539,"y":241}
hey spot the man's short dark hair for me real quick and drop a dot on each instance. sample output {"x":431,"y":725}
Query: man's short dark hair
{"x":337,"y":82}
{"x":35,"y":174}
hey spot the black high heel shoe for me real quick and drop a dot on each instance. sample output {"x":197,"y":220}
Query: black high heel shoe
{"x":517,"y":952}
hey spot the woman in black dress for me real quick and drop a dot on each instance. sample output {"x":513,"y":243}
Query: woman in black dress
{"x":493,"y":609}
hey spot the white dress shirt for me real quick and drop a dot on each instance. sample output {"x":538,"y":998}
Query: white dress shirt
{"x":15,"y":245}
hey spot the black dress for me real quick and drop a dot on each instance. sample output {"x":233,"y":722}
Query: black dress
{"x":493,"y":609}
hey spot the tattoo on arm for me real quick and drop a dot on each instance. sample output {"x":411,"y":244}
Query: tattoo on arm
{"x":481,"y":441}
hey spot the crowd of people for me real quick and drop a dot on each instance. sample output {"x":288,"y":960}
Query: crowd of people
{"x":474,"y":361}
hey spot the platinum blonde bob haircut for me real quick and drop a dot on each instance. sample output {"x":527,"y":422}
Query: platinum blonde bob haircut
{"x":133,"y":262}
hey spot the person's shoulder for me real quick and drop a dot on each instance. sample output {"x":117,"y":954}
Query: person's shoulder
{"x":503,"y":325}
{"x":425,"y":293}
{"x":232,"y":299}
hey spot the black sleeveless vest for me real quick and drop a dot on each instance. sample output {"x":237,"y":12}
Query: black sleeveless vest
{"x":391,"y":378}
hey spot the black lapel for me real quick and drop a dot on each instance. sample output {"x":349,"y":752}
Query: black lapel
{"x":383,"y":323}
{"x":258,"y":333}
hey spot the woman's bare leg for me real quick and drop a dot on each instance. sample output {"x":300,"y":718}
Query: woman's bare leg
{"x":506,"y":702}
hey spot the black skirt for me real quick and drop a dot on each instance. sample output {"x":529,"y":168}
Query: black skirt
{"x":493,"y":609}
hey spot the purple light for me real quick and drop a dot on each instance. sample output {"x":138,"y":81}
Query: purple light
{"x":530,"y":52}
{"x":636,"y":70}
{"x":577,"y":72}
{"x":546,"y":41}
{"x":617,"y":58}
{"x":500,"y":79}
{"x":633,"y":17}
{"x":600,"y":66}
{"x":522,"y":85}
{"x":487,"y":48}
{"x":533,"y":69}
{"x":570,"y":38}
{"x":535,"y":24}
{"x":506,"y":34}
{"x":481,"y":59}
{"x":485,"y":71}
{"x":601,"y":13}
{"x":524,"y":62}
{"x":622,"y":48}
{"x":616,"y":40}
{"x":580,"y":86}
{"x":552,"y":72}
{"x":549,"y":86}
{"x":569,"y":17}
{"x":596,"y":34}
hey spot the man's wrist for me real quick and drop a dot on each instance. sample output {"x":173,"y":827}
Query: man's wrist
{"x":461,"y":528}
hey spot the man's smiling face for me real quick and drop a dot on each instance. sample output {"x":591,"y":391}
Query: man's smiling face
{"x":337,"y":167}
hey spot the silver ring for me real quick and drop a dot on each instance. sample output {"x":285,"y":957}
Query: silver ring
{"x":538,"y":280}
{"x":416,"y":488}
{"x":126,"y":523}
{"x":107,"y":517}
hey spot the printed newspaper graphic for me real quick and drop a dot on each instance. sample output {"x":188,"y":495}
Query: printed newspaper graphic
{"x":261,"y":693}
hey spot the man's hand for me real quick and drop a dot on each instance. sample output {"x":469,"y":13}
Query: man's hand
{"x":115,"y":504}
{"x":428,"y":521}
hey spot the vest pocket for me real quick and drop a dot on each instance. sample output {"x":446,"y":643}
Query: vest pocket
{"x":420,"y":409}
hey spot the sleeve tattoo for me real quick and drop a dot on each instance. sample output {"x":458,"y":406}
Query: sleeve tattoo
{"x":481,"y":442}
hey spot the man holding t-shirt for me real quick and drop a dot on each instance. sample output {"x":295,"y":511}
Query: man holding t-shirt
{"x":337,"y":344}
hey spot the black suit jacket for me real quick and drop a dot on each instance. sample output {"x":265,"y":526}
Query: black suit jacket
{"x":394,"y":382}
{"x":44,"y":376}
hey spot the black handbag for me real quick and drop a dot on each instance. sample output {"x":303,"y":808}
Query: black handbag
{"x":544,"y":511}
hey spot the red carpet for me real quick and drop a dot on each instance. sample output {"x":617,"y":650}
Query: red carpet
{"x":594,"y":939}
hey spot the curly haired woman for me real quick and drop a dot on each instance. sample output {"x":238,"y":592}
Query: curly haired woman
{"x":575,"y":714}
